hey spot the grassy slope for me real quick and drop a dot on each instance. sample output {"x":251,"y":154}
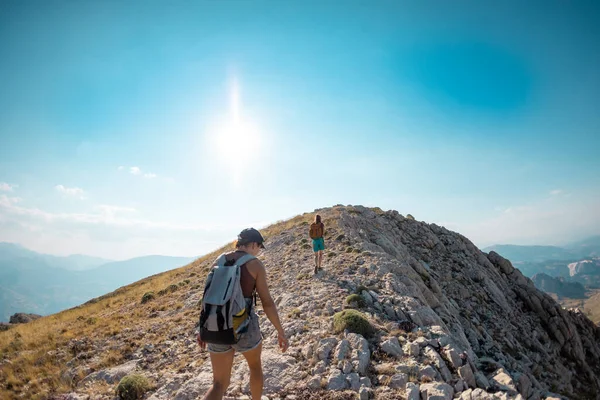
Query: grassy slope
{"x":38,"y":351}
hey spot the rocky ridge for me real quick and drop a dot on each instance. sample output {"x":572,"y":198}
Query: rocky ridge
{"x":450,"y":322}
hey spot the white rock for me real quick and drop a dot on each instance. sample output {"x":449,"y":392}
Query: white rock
{"x":337,"y":380}
{"x":503,"y":380}
{"x":364,"y":393}
{"x":412,"y":349}
{"x":398,"y":381}
{"x":342,"y":350}
{"x":466,"y":373}
{"x":319,"y":368}
{"x":279,"y":370}
{"x":325,"y":347}
{"x":353,"y":381}
{"x":112,"y":375}
{"x":428,"y":371}
{"x":347,"y":367}
{"x":453,"y":356}
{"x":436,"y":391}
{"x":392,"y":347}
{"x":412,"y":391}
{"x":439,"y":362}
{"x":314,"y":383}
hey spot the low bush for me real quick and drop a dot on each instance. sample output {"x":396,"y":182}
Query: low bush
{"x":357,"y":299}
{"x":147,"y":297}
{"x":352,"y":320}
{"x":132,"y":387}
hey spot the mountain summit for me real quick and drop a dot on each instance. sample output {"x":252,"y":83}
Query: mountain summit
{"x":442,"y":320}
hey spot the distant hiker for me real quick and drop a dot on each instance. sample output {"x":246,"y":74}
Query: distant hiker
{"x":228,"y":323}
{"x":316,"y":232}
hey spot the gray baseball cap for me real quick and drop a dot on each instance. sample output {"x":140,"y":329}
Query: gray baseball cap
{"x":250,"y":235}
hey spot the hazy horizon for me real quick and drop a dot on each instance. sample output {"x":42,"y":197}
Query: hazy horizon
{"x":129,"y":128}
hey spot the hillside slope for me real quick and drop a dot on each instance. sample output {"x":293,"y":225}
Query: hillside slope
{"x":448,"y":321}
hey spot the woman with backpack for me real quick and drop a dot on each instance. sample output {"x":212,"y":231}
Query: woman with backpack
{"x":317,"y":230}
{"x":252,"y":280}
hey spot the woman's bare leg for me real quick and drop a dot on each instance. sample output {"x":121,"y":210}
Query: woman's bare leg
{"x":221,"y":365}
{"x":256,"y":374}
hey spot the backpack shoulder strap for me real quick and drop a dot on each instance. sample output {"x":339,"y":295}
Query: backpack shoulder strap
{"x":244,"y":259}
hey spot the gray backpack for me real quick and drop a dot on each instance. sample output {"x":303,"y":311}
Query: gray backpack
{"x":225,"y":311}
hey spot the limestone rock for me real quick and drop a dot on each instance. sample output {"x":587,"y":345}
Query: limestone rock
{"x":392,"y":347}
{"x":337,"y":380}
{"x":112,"y":375}
{"x":412,"y":391}
{"x":23,"y":318}
{"x":466,"y":374}
{"x":436,"y":391}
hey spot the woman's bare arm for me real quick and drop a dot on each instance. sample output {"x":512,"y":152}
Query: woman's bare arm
{"x":262,"y":288}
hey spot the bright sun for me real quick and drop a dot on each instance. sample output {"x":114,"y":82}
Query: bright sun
{"x":236,"y":141}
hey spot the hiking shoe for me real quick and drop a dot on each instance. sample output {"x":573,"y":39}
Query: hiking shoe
{"x":316,"y":269}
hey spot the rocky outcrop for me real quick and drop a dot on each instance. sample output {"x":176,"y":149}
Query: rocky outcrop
{"x":23,"y":318}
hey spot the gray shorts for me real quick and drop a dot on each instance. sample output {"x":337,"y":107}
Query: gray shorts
{"x":248,"y":340}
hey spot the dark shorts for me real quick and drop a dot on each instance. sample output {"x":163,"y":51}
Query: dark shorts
{"x":248,"y":340}
{"x":318,"y":244}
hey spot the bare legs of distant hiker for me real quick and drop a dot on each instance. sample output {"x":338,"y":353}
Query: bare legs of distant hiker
{"x":221,"y":365}
{"x":318,"y":260}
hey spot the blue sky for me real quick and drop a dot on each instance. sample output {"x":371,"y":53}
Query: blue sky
{"x":130,"y":128}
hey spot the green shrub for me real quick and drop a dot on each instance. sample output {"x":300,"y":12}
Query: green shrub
{"x":355,"y":298}
{"x":147,"y":297}
{"x":349,"y":249}
{"x":305,"y":240}
{"x":132,"y":387}
{"x":340,"y":237}
{"x":91,"y":321}
{"x":306,"y":246}
{"x":172,"y":288}
{"x":352,"y":320}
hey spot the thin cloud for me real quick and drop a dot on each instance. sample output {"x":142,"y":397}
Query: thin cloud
{"x":556,"y":192}
{"x":74,"y":192}
{"x":116,"y":216}
{"x":6,"y":201}
{"x":137,"y":171}
{"x":7,"y":187}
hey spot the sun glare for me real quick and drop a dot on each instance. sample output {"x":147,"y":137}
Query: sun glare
{"x":235,"y":141}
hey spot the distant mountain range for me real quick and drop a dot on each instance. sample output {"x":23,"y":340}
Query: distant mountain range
{"x":43,"y":284}
{"x":565,"y":271}
{"x":75,"y":262}
{"x":587,"y":248}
